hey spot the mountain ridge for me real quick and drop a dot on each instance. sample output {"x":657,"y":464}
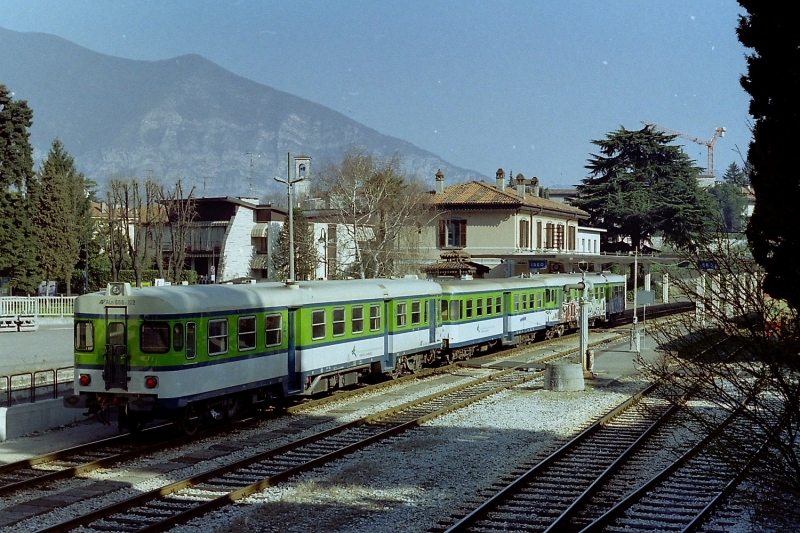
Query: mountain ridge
{"x":183,"y":117}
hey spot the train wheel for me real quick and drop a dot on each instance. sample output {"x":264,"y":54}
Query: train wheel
{"x":191,"y":420}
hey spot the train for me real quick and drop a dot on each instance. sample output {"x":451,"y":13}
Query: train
{"x":199,"y":353}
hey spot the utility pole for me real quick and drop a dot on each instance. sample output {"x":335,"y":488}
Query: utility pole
{"x":289,"y":187}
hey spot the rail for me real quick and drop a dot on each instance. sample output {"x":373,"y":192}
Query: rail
{"x":27,"y":387}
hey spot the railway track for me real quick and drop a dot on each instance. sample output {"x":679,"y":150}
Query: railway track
{"x":684,"y":495}
{"x":181,"y":501}
{"x":547,"y":496}
{"x":585,"y":486}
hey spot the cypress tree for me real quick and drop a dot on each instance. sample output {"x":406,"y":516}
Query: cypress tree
{"x":18,"y":189}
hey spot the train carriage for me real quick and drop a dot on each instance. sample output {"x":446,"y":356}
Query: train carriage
{"x":193,"y":353}
{"x":189,"y":353}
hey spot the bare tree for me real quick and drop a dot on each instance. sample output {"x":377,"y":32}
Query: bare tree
{"x":181,"y":212}
{"x":138,"y":210}
{"x":380,"y":211}
{"x":740,"y":344}
{"x":112,"y":230}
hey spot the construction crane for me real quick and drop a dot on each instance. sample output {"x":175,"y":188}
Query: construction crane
{"x":719,"y":132}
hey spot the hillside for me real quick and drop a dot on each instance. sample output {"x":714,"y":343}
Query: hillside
{"x":182,"y":117}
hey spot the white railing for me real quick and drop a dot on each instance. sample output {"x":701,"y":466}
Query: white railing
{"x":60,"y":306}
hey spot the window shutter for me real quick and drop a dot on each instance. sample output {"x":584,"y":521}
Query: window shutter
{"x":463,"y":232}
{"x":442,"y":233}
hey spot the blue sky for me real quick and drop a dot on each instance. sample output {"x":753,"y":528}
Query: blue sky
{"x":524,"y":85}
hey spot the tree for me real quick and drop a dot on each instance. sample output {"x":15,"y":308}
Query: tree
{"x":137,"y":207}
{"x":305,"y":251}
{"x":18,"y":190}
{"x":180,"y":213}
{"x":773,"y":82}
{"x":379,"y":210}
{"x":736,"y":176}
{"x":641,"y":185}
{"x":62,"y":215}
{"x":739,"y":344}
{"x":731,"y":203}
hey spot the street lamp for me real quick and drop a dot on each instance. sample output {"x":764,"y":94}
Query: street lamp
{"x":289,"y":186}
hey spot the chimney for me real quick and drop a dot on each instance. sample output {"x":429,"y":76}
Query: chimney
{"x":521,"y":185}
{"x":439,"y":182}
{"x":535,"y":186}
{"x":500,"y":179}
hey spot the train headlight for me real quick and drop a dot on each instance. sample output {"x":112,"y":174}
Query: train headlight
{"x":151,"y":382}
{"x":84,"y":380}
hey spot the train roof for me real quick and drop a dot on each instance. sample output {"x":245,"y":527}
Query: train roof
{"x":214,"y":298}
{"x":458,"y":286}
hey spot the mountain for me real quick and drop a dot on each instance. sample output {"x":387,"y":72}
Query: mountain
{"x":184,"y":117}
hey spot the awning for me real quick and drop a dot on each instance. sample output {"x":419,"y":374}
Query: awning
{"x":364,"y":233}
{"x":261,"y":229}
{"x":260,"y":261}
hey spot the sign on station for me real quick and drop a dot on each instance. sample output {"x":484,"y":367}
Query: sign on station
{"x":537,"y":264}
{"x":707,"y":265}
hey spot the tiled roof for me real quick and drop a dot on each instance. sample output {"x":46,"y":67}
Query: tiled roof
{"x":482,"y":195}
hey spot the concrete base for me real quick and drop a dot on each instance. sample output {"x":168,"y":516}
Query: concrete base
{"x":28,"y":418}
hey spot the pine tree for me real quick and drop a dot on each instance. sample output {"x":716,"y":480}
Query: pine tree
{"x":18,"y":188}
{"x":640,"y":185}
{"x":736,"y":176}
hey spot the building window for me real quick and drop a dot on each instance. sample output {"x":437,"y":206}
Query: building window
{"x":550,"y":233}
{"x":538,"y":234}
{"x":452,"y":233}
{"x":572,"y":237}
{"x":524,"y":234}
{"x":560,"y":236}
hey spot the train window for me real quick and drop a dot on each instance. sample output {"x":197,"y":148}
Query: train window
{"x":191,"y":340}
{"x":154,"y":337}
{"x":338,"y":321}
{"x":116,"y":333}
{"x":401,"y":314}
{"x":516,"y":303}
{"x":218,"y":336}
{"x":84,"y":336}
{"x":498,"y":305}
{"x":425,"y":311}
{"x":444,"y":307}
{"x":539,"y":304}
{"x":247,"y":333}
{"x":374,"y":317}
{"x":357,"y":319}
{"x":469,"y":308}
{"x":318,"y":324}
{"x":524,"y":302}
{"x":416,"y":312}
{"x":455,"y":309}
{"x":479,"y":307}
{"x":272,"y":330}
{"x":177,"y":337}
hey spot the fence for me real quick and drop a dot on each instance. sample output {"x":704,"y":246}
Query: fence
{"x":39,"y":306}
{"x":31,"y":386}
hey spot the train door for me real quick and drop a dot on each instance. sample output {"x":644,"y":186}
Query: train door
{"x":433,"y":317}
{"x":115,"y":368}
{"x":508,"y":337}
{"x":292,"y":327}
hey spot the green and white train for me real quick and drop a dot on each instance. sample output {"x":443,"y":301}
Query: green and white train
{"x":200,"y":352}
